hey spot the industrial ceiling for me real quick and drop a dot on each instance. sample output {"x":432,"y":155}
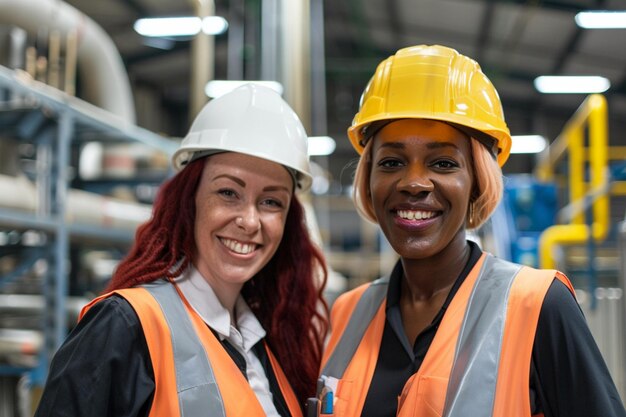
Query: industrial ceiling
{"x":513,"y":40}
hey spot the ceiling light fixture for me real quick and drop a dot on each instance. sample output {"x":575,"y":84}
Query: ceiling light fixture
{"x":528,"y":143}
{"x":601,"y":19}
{"x":216,"y":88}
{"x":214,"y":25}
{"x":180,"y":26}
{"x":321,"y":145}
{"x":164,"y":44}
{"x":571,"y":84}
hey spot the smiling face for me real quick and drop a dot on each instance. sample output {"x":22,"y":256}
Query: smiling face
{"x":420,"y":184}
{"x":241,"y":209}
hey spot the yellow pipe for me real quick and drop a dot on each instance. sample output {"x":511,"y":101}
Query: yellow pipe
{"x":615,"y":153}
{"x":577,"y":190}
{"x":594,"y":112}
{"x":553,"y":154}
{"x":598,"y":134}
{"x":556,"y":235}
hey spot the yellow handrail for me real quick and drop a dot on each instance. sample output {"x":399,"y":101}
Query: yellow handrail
{"x":592,"y":113}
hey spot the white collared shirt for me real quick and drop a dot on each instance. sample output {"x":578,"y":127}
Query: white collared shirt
{"x":243,"y":337}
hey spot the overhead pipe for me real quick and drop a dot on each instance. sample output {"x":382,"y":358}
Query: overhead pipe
{"x":202,"y":59}
{"x":269,"y":40}
{"x":295,"y":22}
{"x":104,"y":81}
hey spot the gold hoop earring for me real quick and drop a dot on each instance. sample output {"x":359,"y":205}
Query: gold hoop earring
{"x":470,"y":218}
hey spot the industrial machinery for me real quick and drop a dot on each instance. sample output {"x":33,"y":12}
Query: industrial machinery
{"x":65,"y":218}
{"x":569,"y":215}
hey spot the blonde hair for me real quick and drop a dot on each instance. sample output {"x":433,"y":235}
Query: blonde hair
{"x":488,"y":186}
{"x":485,"y":197}
{"x":361,"y":185}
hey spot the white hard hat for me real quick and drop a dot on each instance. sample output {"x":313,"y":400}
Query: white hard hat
{"x":252,"y":120}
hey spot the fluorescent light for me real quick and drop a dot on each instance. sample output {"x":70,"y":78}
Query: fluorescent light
{"x":180,"y":26}
{"x":321,"y":145}
{"x":601,"y":19}
{"x":217,"y":88}
{"x":168,"y":26}
{"x":528,"y":144}
{"x":571,"y":84}
{"x":214,"y":25}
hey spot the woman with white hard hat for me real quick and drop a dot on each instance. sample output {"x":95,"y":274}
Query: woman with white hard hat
{"x":451,"y":331}
{"x":217,"y":309}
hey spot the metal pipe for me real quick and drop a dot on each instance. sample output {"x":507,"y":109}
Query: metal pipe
{"x":556,"y":235}
{"x":202,"y":59}
{"x":598,"y":149}
{"x":621,"y":232}
{"x":82,"y":208}
{"x":104,"y":81}
{"x":295,"y":58}
{"x":69,"y":72}
{"x":236,"y":43}
{"x":269,"y":40}
{"x":61,"y":242}
{"x":553,"y":154}
{"x":593,"y":112}
{"x":318,"y":68}
{"x":54,"y":59}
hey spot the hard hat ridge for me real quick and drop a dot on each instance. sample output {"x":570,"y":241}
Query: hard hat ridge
{"x":252,"y":120}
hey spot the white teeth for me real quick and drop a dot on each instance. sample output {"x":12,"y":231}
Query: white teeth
{"x":415,"y":215}
{"x":238,"y":247}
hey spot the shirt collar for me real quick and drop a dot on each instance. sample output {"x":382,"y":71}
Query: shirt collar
{"x":249,"y":326}
{"x":203,"y":300}
{"x":393,"y":292}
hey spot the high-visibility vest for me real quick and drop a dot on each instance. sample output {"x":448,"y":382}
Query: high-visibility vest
{"x":479,"y":361}
{"x":193,"y":374}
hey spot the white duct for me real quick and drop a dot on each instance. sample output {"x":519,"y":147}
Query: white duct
{"x":82,"y":207}
{"x":104,"y":79}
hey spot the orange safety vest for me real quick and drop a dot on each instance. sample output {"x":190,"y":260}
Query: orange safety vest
{"x":194,"y":376}
{"x":479,"y":361}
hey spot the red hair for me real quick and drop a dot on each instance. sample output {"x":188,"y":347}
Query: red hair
{"x":286,"y":295}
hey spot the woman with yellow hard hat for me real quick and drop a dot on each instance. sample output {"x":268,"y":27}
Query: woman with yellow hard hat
{"x":452,"y":330}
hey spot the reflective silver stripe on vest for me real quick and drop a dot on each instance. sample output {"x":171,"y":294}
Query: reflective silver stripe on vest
{"x":472,"y":385}
{"x":362,"y":316}
{"x":198,"y":393}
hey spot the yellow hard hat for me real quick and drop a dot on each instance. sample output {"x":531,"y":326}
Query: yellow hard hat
{"x":433,"y":82}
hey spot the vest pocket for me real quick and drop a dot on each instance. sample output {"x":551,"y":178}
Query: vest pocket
{"x":423,"y":396}
{"x":344,"y":398}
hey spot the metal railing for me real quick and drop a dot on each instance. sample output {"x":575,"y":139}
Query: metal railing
{"x":592,"y":114}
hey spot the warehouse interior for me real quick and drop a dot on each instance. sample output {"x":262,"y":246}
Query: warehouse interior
{"x":91,"y":111}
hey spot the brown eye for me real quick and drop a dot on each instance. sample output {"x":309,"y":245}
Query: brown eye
{"x":389,"y":163}
{"x":445,"y":164}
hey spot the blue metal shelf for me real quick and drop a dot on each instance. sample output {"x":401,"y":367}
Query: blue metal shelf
{"x":37,"y":96}
{"x":21,"y":220}
{"x":53,"y":121}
